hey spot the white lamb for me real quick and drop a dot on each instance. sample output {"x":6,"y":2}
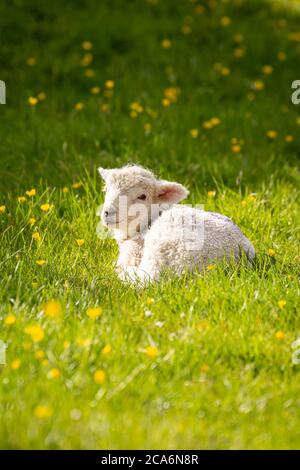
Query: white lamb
{"x":155,"y":234}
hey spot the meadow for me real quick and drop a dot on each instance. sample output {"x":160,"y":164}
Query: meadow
{"x":200,"y":92}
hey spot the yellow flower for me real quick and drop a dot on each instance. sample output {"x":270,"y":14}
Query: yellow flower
{"x":31,"y":192}
{"x":207,"y":125}
{"x":289,"y":138}
{"x":87,"y":45}
{"x":281,"y":56}
{"x":147,"y":127}
{"x":225,"y":21}
{"x":15,"y":364}
{"x":89,"y":73}
{"x":95,"y":90}
{"x":83,"y":342}
{"x":36,"y":236}
{"x":136,"y":106}
{"x":2,"y":209}
{"x":211,"y":123}
{"x":281,"y":303}
{"x":236,"y":148}
{"x":258,"y":85}
{"x":151,"y":352}
{"x":294,"y":36}
{"x":104,"y":108}
{"x":271,"y":252}
{"x":271,"y":134}
{"x":65,"y":190}
{"x":31,"y":61}
{"x":42,"y":96}
{"x":66,"y":344}
{"x":239,"y":52}
{"x":211,"y":193}
{"x":80,"y":241}
{"x":186,"y":29}
{"x":238,"y":38}
{"x":54,"y":373}
{"x":86,"y":60}
{"x":52,"y":309}
{"x":21,"y":199}
{"x":77,"y":185}
{"x":106,"y":350}
{"x":110,"y":84}
{"x":215,"y":121}
{"x":31,"y":221}
{"x":166,"y":44}
{"x":267,"y":69}
{"x":46,"y":207}
{"x":203,"y":325}
{"x":79,"y":106}
{"x":94,"y":312}
{"x":165,"y":102}
{"x":225,"y":71}
{"x":194,"y":133}
{"x":10,"y":319}
{"x":99,"y":377}
{"x":150,"y":301}
{"x":32,"y":101}
{"x":199,"y":9}
{"x":36,"y":332}
{"x":280,"y":335}
{"x":41,"y":262}
{"x":43,"y":411}
{"x":39,"y":354}
{"x":210,"y":267}
{"x":172,"y":93}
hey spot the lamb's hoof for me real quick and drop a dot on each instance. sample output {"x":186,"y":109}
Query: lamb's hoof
{"x":135,"y":276}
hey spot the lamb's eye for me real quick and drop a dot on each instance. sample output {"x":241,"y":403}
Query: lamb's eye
{"x":142,"y":197}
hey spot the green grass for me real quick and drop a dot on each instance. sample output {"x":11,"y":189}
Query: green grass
{"x":223,"y":376}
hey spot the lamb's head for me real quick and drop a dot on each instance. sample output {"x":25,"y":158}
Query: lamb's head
{"x":134,"y":197}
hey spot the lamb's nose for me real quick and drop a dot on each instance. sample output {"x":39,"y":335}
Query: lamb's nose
{"x":106,"y":213}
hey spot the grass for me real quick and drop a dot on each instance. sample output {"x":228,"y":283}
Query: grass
{"x":220,"y":374}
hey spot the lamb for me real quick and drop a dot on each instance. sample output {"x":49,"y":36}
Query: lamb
{"x":155,"y":234}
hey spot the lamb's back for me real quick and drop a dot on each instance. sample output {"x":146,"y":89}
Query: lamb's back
{"x":185,"y":235}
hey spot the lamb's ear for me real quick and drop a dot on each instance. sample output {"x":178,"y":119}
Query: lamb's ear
{"x":171,"y":192}
{"x":104,"y":173}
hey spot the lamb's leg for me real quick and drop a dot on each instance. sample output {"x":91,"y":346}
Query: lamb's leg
{"x":142,"y":271}
{"x":150,"y":267}
{"x":134,"y":275}
{"x":129,"y":256}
